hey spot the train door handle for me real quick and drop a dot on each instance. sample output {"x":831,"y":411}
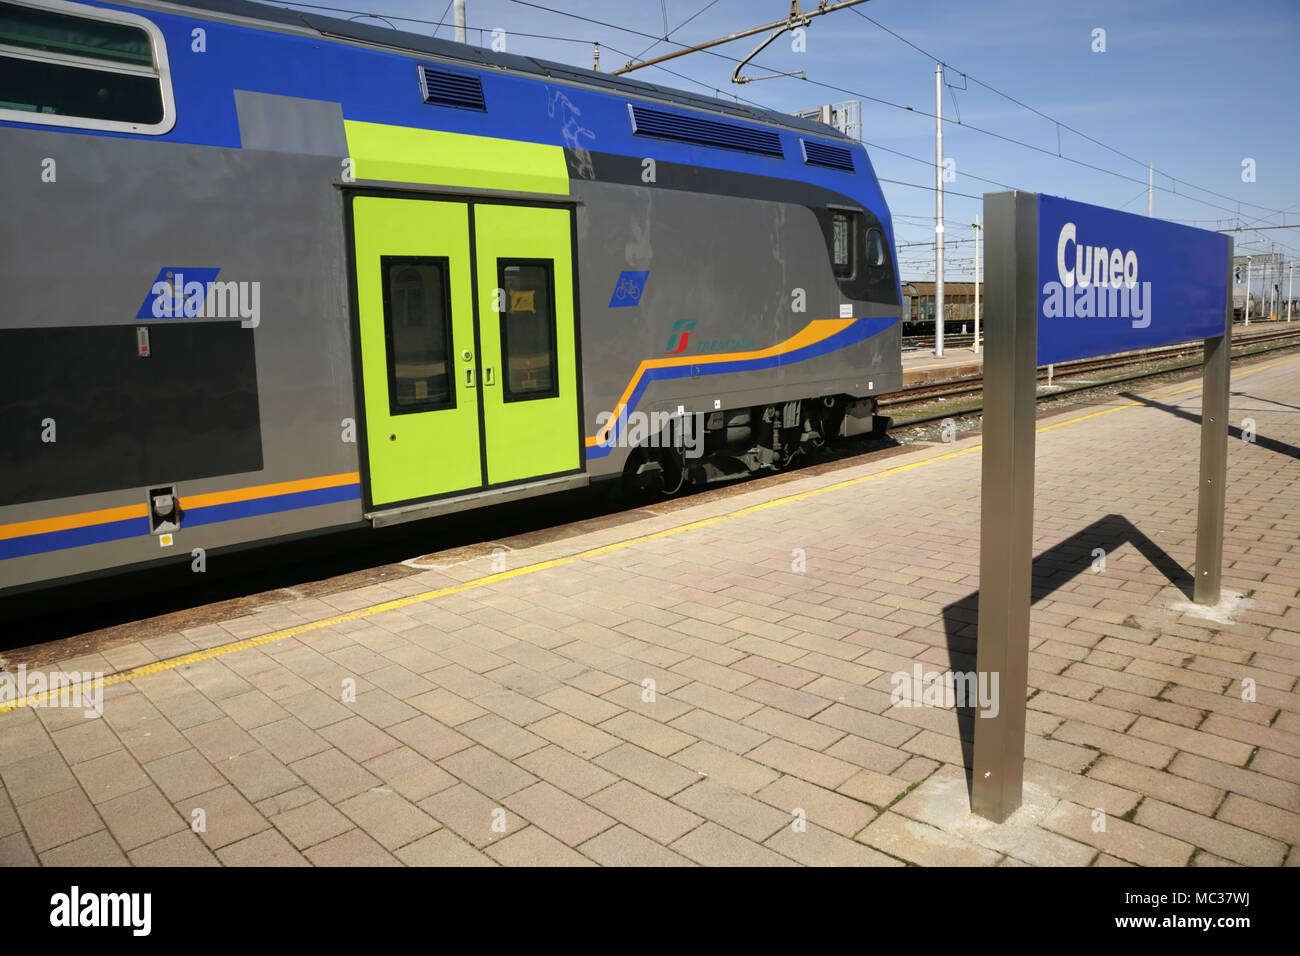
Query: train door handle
{"x":489,"y":377}
{"x":469,"y":377}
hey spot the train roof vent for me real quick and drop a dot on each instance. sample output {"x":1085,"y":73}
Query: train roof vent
{"x":824,"y":154}
{"x":451,"y":89}
{"x":647,"y":121}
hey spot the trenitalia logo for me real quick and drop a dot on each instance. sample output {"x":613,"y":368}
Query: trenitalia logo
{"x":681,"y":337}
{"x":681,"y":333}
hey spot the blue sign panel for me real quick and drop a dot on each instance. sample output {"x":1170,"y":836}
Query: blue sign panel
{"x":1113,"y":281}
{"x":628,"y":289}
{"x":178,"y":292}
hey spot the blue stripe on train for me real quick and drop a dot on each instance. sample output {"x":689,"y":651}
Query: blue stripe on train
{"x":135,"y":527}
{"x":859,"y":331}
{"x":265,"y":506}
{"x":72,"y":537}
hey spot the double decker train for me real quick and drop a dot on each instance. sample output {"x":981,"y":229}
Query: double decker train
{"x":269,"y":274}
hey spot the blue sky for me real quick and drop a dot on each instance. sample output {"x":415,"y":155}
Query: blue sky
{"x":1193,"y":86}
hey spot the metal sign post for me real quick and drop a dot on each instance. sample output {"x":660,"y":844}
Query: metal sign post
{"x":1065,"y":280}
{"x":1007,"y":494}
{"x":1216,"y":371}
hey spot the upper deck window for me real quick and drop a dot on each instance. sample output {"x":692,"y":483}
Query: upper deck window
{"x":68,"y":64}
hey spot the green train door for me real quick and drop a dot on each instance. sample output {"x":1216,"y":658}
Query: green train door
{"x":419,"y":374}
{"x":528,"y":337}
{"x":469,"y":362}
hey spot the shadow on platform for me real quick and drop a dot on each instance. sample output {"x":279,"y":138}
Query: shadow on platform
{"x":1263,"y":441}
{"x":1051,"y":569}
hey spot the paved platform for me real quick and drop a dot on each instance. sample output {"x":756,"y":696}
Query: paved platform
{"x":713,"y":686}
{"x":921,"y":367}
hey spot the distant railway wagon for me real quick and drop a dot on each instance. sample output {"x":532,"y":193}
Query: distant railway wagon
{"x":269,"y":274}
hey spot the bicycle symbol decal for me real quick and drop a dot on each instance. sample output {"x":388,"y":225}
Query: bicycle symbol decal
{"x":628,"y":289}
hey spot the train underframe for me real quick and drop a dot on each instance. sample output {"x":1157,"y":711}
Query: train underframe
{"x":726,"y":445}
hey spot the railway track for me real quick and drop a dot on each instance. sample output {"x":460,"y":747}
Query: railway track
{"x":954,"y":390}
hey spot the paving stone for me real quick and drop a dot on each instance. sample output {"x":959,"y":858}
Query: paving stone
{"x":96,"y":849}
{"x":816,"y":846}
{"x":734,"y":810}
{"x":442,"y":848}
{"x":268,"y":848}
{"x":1218,"y":837}
{"x":40,"y":775}
{"x":588,"y":708}
{"x":1283,"y":825}
{"x":354,"y":848}
{"x":359,"y":739}
{"x":649,"y":734}
{"x":487,"y":772}
{"x":183,"y":774}
{"x":58,"y":818}
{"x":220,"y":739}
{"x":16,"y":851}
{"x":226,"y":816}
{"x":388,"y":817}
{"x":311,"y":823}
{"x":110,"y":776}
{"x":837,"y":813}
{"x":1192,"y":741}
{"x":178,"y":849}
{"x":1134,"y":843}
{"x":410,"y":774}
{"x":783,"y":756}
{"x":924,"y":845}
{"x":562,"y":816}
{"x":471,"y":815}
{"x":85,"y":741}
{"x":574,"y":735}
{"x":258,"y":775}
{"x":877,"y":789}
{"x":534,"y":847}
{"x":621,"y":846}
{"x":334,"y":775}
{"x":501,"y":736}
{"x":571,"y":774}
{"x":1165,"y":786}
{"x":654,"y":773}
{"x":644,"y":812}
{"x":287,"y":800}
{"x":711,"y":845}
{"x":797,"y":730}
{"x":140,"y":817}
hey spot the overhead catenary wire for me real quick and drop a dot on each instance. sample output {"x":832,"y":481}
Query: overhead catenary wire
{"x":924,"y":113}
{"x":861,"y":95}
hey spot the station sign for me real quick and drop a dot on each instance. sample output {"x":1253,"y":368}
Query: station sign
{"x":1111,"y":281}
{"x":1067,"y":280}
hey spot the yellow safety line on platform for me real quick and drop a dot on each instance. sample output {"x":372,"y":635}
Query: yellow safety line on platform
{"x":396,"y":604}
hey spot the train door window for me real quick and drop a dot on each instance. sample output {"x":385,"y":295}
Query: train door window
{"x":417,"y":329}
{"x":528,"y":329}
{"x":68,"y":64}
{"x":842,"y":232}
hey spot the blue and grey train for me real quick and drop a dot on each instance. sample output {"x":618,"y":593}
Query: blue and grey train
{"x":269,"y":274}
